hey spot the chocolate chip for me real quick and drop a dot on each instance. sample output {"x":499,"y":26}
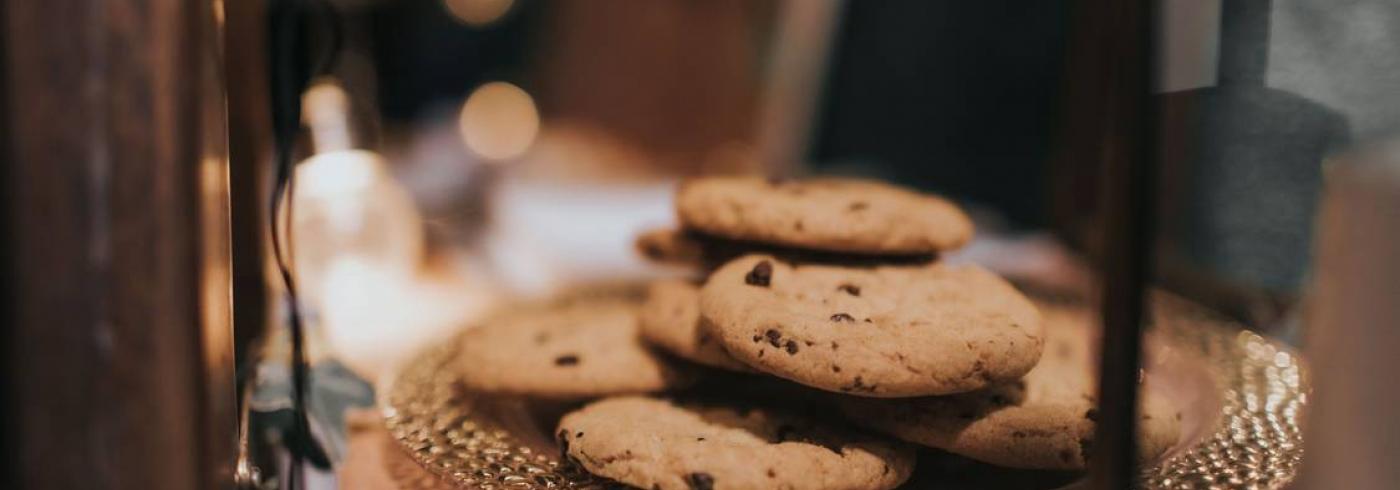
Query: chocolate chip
{"x":772,"y":474}
{"x":566,"y":360}
{"x":700,"y":481}
{"x":1092,"y":414}
{"x":791,"y":347}
{"x":835,"y":368}
{"x":849,"y":289}
{"x":858,"y":385}
{"x":774,"y":337}
{"x":858,"y":205}
{"x":867,"y":320}
{"x":699,"y":439}
{"x":842,"y":317}
{"x":757,"y":338}
{"x":761,"y":275}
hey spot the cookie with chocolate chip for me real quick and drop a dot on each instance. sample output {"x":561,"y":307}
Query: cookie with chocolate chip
{"x":881,"y":331}
{"x":669,"y":445}
{"x":1044,"y":421}
{"x":670,"y":319}
{"x":581,"y":349}
{"x":832,"y":214}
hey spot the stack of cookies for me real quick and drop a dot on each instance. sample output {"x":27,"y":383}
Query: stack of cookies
{"x":826,"y":291}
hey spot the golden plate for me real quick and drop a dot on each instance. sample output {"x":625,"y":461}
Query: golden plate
{"x":1242,"y":397}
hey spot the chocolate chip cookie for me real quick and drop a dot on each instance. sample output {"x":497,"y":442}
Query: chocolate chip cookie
{"x":662,"y":444}
{"x":833,"y":214}
{"x":883,"y":331}
{"x":1045,"y":421}
{"x":583,"y":349}
{"x":670,"y":320}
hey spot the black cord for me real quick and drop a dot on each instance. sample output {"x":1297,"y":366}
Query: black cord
{"x":290,"y":75}
{"x":335,"y":36}
{"x":288,"y":78}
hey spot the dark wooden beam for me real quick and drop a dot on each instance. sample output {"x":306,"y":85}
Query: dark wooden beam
{"x":119,"y":361}
{"x":250,"y":159}
{"x":1106,"y":172}
{"x":1127,"y":133}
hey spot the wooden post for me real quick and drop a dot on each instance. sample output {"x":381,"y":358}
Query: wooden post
{"x":119,"y":369}
{"x":1109,"y":142}
{"x":1127,"y":130}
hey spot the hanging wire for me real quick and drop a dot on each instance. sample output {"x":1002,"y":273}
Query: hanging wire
{"x":290,"y":75}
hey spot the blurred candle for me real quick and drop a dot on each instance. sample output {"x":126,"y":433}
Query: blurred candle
{"x":346,"y":203}
{"x":360,"y":254}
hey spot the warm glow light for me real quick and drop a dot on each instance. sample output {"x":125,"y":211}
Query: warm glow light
{"x":217,"y":275}
{"x":219,"y":13}
{"x":499,"y":121}
{"x":347,"y":204}
{"x":478,"y":12}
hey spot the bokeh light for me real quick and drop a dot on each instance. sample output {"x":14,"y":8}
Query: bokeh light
{"x":499,"y":121}
{"x":478,"y":13}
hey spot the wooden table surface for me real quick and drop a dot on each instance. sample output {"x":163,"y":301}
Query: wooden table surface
{"x":373,"y":462}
